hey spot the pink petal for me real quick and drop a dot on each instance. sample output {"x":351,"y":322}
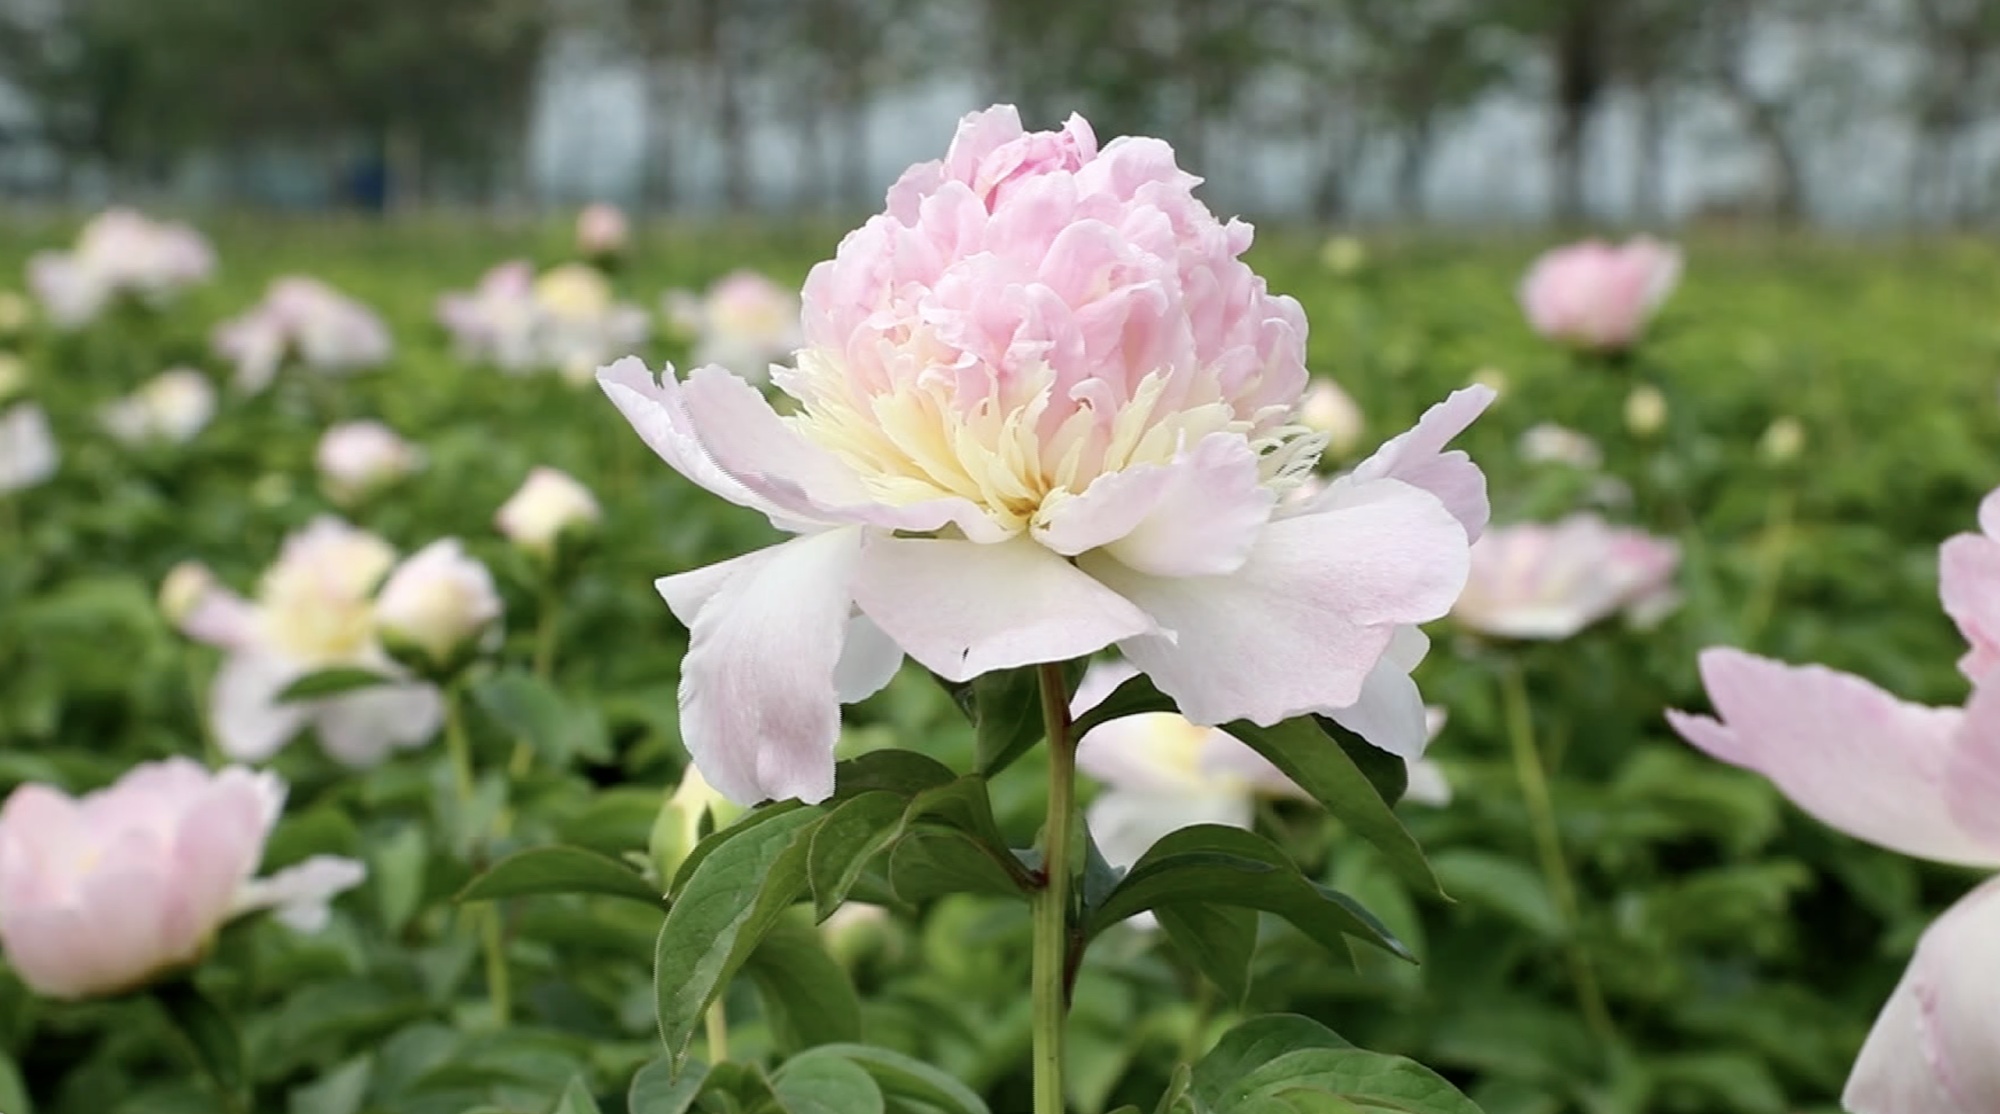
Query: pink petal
{"x":1843,"y":750}
{"x":249,"y":723}
{"x":869,"y":659}
{"x":300,"y":893}
{"x":1972,"y":772}
{"x":658,"y":413}
{"x":759,"y":710}
{"x":1932,"y":1048}
{"x":1417,"y":457}
{"x":1198,"y":515}
{"x":1390,"y":711}
{"x":1299,"y":627}
{"x":963,"y":609}
{"x":1969,"y":584}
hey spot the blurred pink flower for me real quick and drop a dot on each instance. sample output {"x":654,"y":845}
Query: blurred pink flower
{"x":1551,"y":581}
{"x":745,"y":323}
{"x":495,"y":322}
{"x":1042,"y":408}
{"x":567,"y":318}
{"x":356,"y":459}
{"x":119,"y":253}
{"x":102,"y":894}
{"x":1599,"y":297}
{"x":28,"y":453}
{"x":601,"y":230}
{"x":314,"y":611}
{"x":1917,"y":780}
{"x":170,"y":408}
{"x":305,"y":319}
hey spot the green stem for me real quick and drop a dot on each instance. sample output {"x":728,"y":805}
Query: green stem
{"x":545,"y":629}
{"x":716,"y":1023}
{"x":499,"y":983}
{"x":499,"y":989}
{"x":1051,"y":903}
{"x":1548,"y":844}
{"x":1772,"y":549}
{"x":456,"y":746}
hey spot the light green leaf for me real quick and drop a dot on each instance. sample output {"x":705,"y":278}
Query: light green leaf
{"x":852,"y":834}
{"x":340,"y":1091}
{"x":807,"y":994}
{"x":823,"y":1084}
{"x":331,"y":682}
{"x":658,"y":1088}
{"x":1220,"y":940}
{"x":577,"y":1099}
{"x":931,"y":862}
{"x":532,"y":709}
{"x":559,"y":870}
{"x":1256,"y":1041}
{"x":903,"y":1078}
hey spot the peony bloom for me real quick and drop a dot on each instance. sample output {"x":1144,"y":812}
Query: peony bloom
{"x":601,"y":231}
{"x":579,"y":321}
{"x":305,"y":319}
{"x":693,"y":809}
{"x":1044,"y":408}
{"x":1162,"y":773}
{"x":1551,"y":581}
{"x":1917,"y":780}
{"x":102,"y":894}
{"x":1598,"y":297}
{"x":356,"y":459}
{"x":496,"y":322}
{"x":313,"y":612}
{"x":1549,"y":443}
{"x":548,"y":504}
{"x":28,"y":455}
{"x":745,"y":323}
{"x":171,"y":408}
{"x":119,"y":254}
{"x":1329,"y":410}
{"x":439,"y":600}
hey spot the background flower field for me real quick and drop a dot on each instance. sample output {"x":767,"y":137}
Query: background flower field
{"x":1830,"y":413}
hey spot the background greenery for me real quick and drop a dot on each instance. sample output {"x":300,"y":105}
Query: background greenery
{"x":1743,"y":948}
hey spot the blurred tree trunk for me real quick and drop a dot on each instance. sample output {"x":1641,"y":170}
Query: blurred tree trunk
{"x":659,"y":182}
{"x":1650,"y":166}
{"x":1580,"y":71}
{"x":1413,"y":163}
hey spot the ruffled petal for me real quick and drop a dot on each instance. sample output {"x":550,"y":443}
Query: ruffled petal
{"x":360,"y":729}
{"x":1302,"y":624}
{"x":963,"y":609}
{"x":1843,"y":750}
{"x":1418,"y":458}
{"x":1198,"y":515}
{"x":250,"y":724}
{"x":1931,"y":1051}
{"x":1390,"y":712}
{"x":299,"y":895}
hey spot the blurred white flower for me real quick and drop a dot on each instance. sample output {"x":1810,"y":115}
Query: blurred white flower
{"x":28,"y":454}
{"x":170,"y":408}
{"x":305,"y":319}
{"x":313,"y":611}
{"x":1783,"y":441}
{"x":1549,"y":443}
{"x":119,"y":253}
{"x":183,"y":589}
{"x":497,"y":321}
{"x":745,"y":323}
{"x":356,"y":459}
{"x":579,"y":319}
{"x":1328,"y":409}
{"x":439,"y":600}
{"x":1541,"y":581}
{"x":1645,"y":410}
{"x":546,"y":505}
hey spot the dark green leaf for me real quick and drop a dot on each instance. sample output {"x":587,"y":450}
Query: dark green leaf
{"x":961,"y":804}
{"x":1219,"y":939}
{"x":932,"y":862}
{"x":851,"y":835}
{"x":904,"y":1078}
{"x":735,"y":894}
{"x":1006,"y":718}
{"x":530,"y":708}
{"x":208,"y":1035}
{"x":762,"y":814}
{"x":1250,"y":1045}
{"x":808,"y":997}
{"x":576,"y":1099}
{"x":560,"y":870}
{"x":825,"y":1084}
{"x":658,"y":1089}
{"x":1389,"y":774}
{"x":902,"y":772}
{"x":1228,"y":866}
{"x":1325,"y":770}
{"x":1371,"y":1081}
{"x":331,"y":682}
{"x":1137,"y":696}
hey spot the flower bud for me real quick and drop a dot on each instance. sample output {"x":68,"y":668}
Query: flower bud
{"x":1344,"y":255}
{"x":1328,"y":409}
{"x":601,"y":231}
{"x":1493,"y":379}
{"x":678,"y":827}
{"x":183,"y":589}
{"x":855,"y":931}
{"x":357,"y":459}
{"x":439,"y":601}
{"x":1549,"y":443}
{"x":1645,"y":410}
{"x":549,"y":504}
{"x":1782,"y":442}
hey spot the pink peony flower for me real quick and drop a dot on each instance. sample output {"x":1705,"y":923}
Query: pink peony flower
{"x":496,"y":322}
{"x":1598,"y":297}
{"x":170,"y":408}
{"x":305,"y":319}
{"x":1551,"y":581}
{"x":1969,"y":583}
{"x":601,"y":230}
{"x":103,"y":893}
{"x":120,"y":253}
{"x":314,"y":611}
{"x":356,"y":459}
{"x":28,"y":453}
{"x":1918,"y":780}
{"x":1042,"y":408}
{"x":745,"y":323}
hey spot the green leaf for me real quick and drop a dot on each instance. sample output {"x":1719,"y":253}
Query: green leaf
{"x":931,"y":862}
{"x":658,"y":1088}
{"x":1324,"y":769}
{"x":907,"y":1079}
{"x":340,"y":1091}
{"x":902,"y":772}
{"x":1506,"y":886}
{"x":532,"y":709}
{"x":1220,"y":940}
{"x":560,"y":870}
{"x":1006,"y":717}
{"x":1174,"y":1099}
{"x":962,"y":804}
{"x":1370,"y":1081}
{"x":762,"y":814}
{"x":13,"y":1089}
{"x":735,"y":894}
{"x":851,"y":835}
{"x":209,"y":1036}
{"x":331,"y":682}
{"x":1228,"y":866}
{"x":808,"y":998}
{"x":1389,"y":774}
{"x":1136,"y":697}
{"x":1256,"y":1041}
{"x":823,"y":1084}
{"x":576,"y":1099}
